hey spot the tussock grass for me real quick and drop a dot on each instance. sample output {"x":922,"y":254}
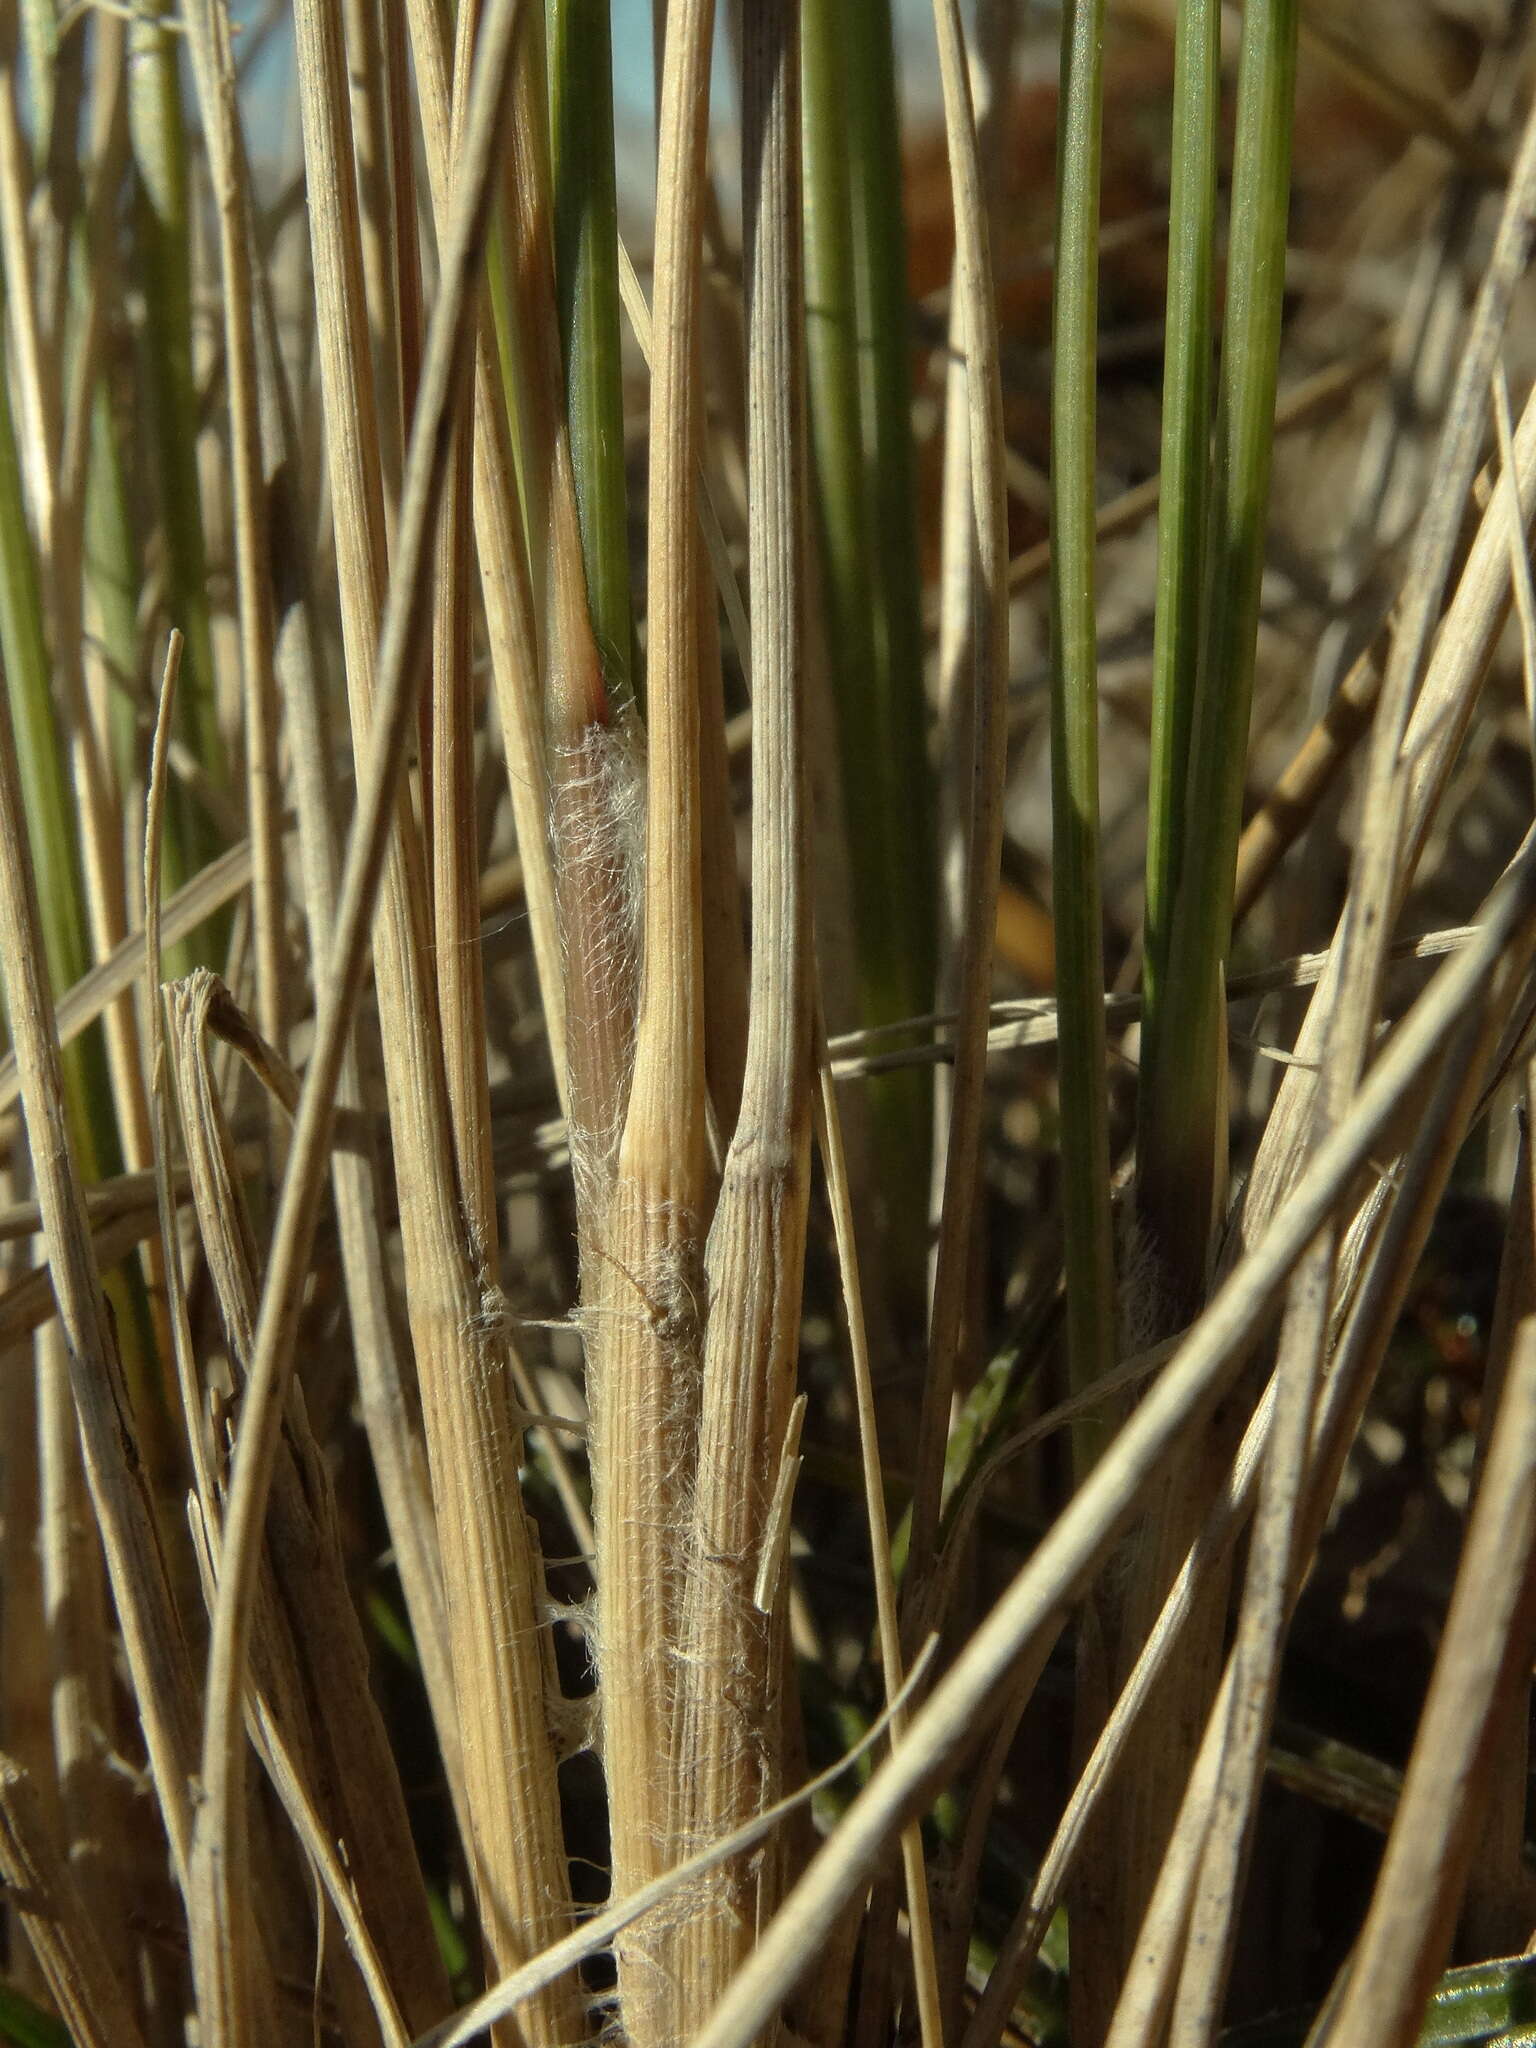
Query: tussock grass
{"x":640,"y":1400}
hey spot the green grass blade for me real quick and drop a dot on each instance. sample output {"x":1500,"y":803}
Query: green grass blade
{"x":1075,"y":713}
{"x":40,"y":40}
{"x":883,"y":317}
{"x":833,"y":368}
{"x":1485,"y":2005}
{"x":48,"y":800}
{"x":46,"y":793}
{"x":164,"y":241}
{"x":1185,"y":1083}
{"x":25,"y":2025}
{"x":587,"y":298}
{"x":1186,"y":450}
{"x":112,"y":583}
{"x":857,"y":355}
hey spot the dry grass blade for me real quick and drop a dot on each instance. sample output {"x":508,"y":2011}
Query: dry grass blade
{"x":1141,"y":2013}
{"x":733,"y":1708}
{"x":1313,"y":1423}
{"x":1519,"y":558}
{"x":280,"y":1733}
{"x":126,"y":1194}
{"x":460,"y":1481}
{"x":91,"y":1809}
{"x":1352,"y":1376}
{"x":213,"y":67}
{"x":203,"y":1502}
{"x":193,"y":904}
{"x":453,"y":852}
{"x":983,"y":587}
{"x":196,"y":1421}
{"x":1205,"y":1364}
{"x":1298,"y":407}
{"x":829,"y":1139}
{"x":643,"y":1316}
{"x":451,"y":806}
{"x":659,"y":1895}
{"x":989,"y":642}
{"x":1211,"y":1837}
{"x":505,"y":581}
{"x":320,"y":1847}
{"x":31,"y":1301}
{"x":1032,"y":1020}
{"x":309,"y":1655}
{"x":1306,"y":780}
{"x":91,"y":2000}
{"x":1463,"y":648}
{"x":224,"y":1223}
{"x":394,"y":1433}
{"x":711,"y":525}
{"x":1255,"y":1662}
{"x":1032,"y":1921}
{"x":533,"y":1876}
{"x":153,"y":1640}
{"x":1377,"y":884}
{"x":1500,"y":1906}
{"x":1398,"y":793}
{"x":492,"y":1579}
{"x":1484,"y":1658}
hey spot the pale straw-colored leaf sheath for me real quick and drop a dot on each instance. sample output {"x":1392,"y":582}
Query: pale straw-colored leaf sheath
{"x":491,"y":1578}
{"x":730,"y":1711}
{"x":491,"y":1574}
{"x":309,"y":1656}
{"x":643,"y":1285}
